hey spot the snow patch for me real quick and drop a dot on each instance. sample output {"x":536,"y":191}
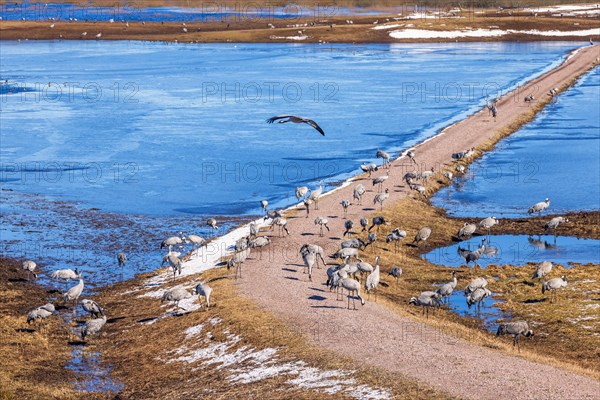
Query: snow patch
{"x":478,"y":33}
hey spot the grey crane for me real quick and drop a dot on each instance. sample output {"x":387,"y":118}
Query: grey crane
{"x":529,"y":98}
{"x":554,"y":222}
{"x":264,"y":204}
{"x":92,"y":307}
{"x":242,"y":243}
{"x":322,"y":222}
{"x":40,"y":313}
{"x":373,"y":280}
{"x":301,"y":191}
{"x":475,"y":283}
{"x":364,"y":268}
{"x":315,"y":249}
{"x":425,"y":175}
{"x":539,"y":207}
{"x":345,"y":204}
{"x":253,"y":229}
{"x":197,"y":241}
{"x":66,"y":275}
{"x":396,"y":236}
{"x":371,"y":239}
{"x":467,"y":230}
{"x":369,"y":168}
{"x":315,"y":195}
{"x":203,"y":290}
{"x":170,"y":242}
{"x":29,"y":266}
{"x":281,"y":224}
{"x":378,"y":221}
{"x":212,"y":223}
{"x":259,"y":242}
{"x":174,"y":262}
{"x":237,"y":260}
{"x":358,"y":192}
{"x":542,"y":269}
{"x":348,"y":225}
{"x":353,"y":288}
{"x":93,"y":327}
{"x":461,"y":169}
{"x":297,"y":120}
{"x":515,"y":329}
{"x":410,"y":176}
{"x":74,"y":292}
{"x":272,"y":214}
{"x":381,"y":197}
{"x":380,"y":180}
{"x":448,"y":175}
{"x":346,"y":252}
{"x":364,"y":222}
{"x":447,"y":288}
{"x":355,"y":243}
{"x":309,"y":262}
{"x":307,"y":202}
{"x":396,"y":272}
{"x":422,"y":235}
{"x":385,"y":157}
{"x":472,"y":255}
{"x":477,"y":297}
{"x":411,"y":154}
{"x":488,"y":223}
{"x":553,"y":285}
{"x":426,"y":299}
{"x":175,"y":295}
{"x":422,"y":190}
{"x":121,"y":259}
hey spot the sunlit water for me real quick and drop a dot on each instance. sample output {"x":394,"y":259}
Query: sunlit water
{"x":555,"y":156}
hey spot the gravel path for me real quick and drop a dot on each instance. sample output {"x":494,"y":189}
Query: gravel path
{"x":376,"y":336}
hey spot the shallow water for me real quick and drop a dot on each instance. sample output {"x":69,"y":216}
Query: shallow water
{"x":167,"y":129}
{"x":522,"y":249}
{"x":556,"y":156}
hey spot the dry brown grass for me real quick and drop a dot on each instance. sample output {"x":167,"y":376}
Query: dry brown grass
{"x":137,"y":351}
{"x":33,"y":360}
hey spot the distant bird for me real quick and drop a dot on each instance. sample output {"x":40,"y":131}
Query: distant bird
{"x":467,"y":230}
{"x":554,"y":222}
{"x":92,"y":307}
{"x":461,"y":169}
{"x":359,"y":190}
{"x":426,"y":174}
{"x":170,"y":242}
{"x":448,"y":175}
{"x":296,"y":119}
{"x":373,"y":280}
{"x":385,"y":158}
{"x":175,"y":295}
{"x":203,"y":290}
{"x":184,"y":30}
{"x":515,"y":329}
{"x":422,"y":235}
{"x":84,"y":34}
{"x":66,"y":275}
{"x":529,"y":98}
{"x":488,"y":223}
{"x":554,"y":284}
{"x":348,"y":225}
{"x":121,"y":259}
{"x":378,"y":221}
{"x":364,"y":222}
{"x":29,"y":266}
{"x":345,"y":204}
{"x":212,"y":223}
{"x":426,"y":299}
{"x":396,"y":272}
{"x":40,"y":313}
{"x":419,"y":189}
{"x":446,"y":289}
{"x":539,"y":207}
{"x":74,"y":292}
{"x":542,"y":269}
{"x":301,"y":192}
{"x":411,"y":154}
{"x":99,"y":35}
{"x":322,"y":222}
{"x":92,"y":327}
{"x":396,"y":236}
{"x":264,"y":204}
{"x":477,"y":297}
{"x":369,"y":168}
{"x":51,"y":26}
{"x":381,"y":197}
